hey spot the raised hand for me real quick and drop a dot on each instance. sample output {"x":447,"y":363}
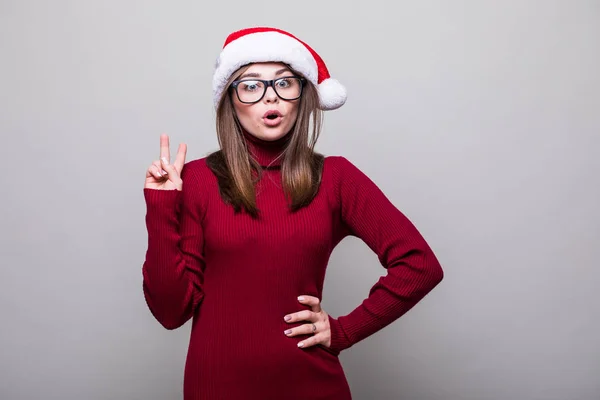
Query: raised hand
{"x":162,"y":174}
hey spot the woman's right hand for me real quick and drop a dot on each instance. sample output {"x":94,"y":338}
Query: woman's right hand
{"x":162,"y":174}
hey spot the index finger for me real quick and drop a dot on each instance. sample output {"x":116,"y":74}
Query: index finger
{"x":164,"y":147}
{"x":312,"y":301}
{"x":304,"y":315}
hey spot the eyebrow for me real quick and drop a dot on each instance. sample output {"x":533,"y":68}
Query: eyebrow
{"x":257,"y":75}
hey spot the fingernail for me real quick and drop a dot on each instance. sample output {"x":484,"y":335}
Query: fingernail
{"x":287,"y":318}
{"x":301,"y":298}
{"x":164,"y":172}
{"x":164,"y":159}
{"x":300,"y":344}
{"x":288,"y":332}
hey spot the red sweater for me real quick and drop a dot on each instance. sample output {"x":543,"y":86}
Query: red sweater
{"x":237,"y":277}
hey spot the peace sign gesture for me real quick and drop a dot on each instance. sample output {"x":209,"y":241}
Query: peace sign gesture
{"x":162,"y":174}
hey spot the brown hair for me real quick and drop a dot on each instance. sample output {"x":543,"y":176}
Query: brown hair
{"x":237,"y":172}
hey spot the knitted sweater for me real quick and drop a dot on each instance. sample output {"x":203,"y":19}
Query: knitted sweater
{"x":237,"y":277}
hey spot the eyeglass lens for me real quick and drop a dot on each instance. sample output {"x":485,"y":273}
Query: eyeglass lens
{"x":288,"y":88}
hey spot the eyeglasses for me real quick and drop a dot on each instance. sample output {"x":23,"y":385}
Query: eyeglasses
{"x":250,"y":91}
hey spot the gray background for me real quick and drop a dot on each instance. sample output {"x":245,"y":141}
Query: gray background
{"x":479,"y":119}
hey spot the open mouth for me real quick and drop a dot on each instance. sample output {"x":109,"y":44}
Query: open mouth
{"x":272,"y":118}
{"x":272,"y":114}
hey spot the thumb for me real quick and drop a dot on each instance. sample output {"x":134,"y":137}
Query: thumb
{"x":172,"y":173}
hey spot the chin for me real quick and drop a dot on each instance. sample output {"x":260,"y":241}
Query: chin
{"x":272,"y":134}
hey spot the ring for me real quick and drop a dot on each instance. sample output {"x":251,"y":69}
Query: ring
{"x":314,"y":328}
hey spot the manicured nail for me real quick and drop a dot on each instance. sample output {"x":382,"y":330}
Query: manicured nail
{"x":300,"y":344}
{"x":164,"y":172}
{"x":288,"y":332}
{"x":301,"y":298}
{"x":287,"y":318}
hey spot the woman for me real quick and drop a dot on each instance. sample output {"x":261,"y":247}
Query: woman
{"x":239,"y":241}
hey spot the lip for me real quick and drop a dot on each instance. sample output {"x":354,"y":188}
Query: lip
{"x":272,"y":112}
{"x":272,"y":122}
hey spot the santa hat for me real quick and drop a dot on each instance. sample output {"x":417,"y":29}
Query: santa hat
{"x":263,"y":44}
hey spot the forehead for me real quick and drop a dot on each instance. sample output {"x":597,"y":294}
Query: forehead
{"x":266,"y":68}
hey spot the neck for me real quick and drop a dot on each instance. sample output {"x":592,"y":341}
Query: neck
{"x":268,"y":153}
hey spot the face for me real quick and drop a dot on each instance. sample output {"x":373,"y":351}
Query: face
{"x":272,"y":117}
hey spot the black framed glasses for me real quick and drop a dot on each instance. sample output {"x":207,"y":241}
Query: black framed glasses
{"x":250,"y":91}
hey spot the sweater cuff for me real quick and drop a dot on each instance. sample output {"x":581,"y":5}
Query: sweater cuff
{"x":339,"y":340}
{"x":162,"y":207}
{"x":161,"y":199}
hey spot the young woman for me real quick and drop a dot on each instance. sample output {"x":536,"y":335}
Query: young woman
{"x":239,"y":241}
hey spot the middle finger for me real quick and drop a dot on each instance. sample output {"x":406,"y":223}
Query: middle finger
{"x":304,"y":315}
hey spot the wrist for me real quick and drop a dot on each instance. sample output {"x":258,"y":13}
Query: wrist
{"x":339,"y":340}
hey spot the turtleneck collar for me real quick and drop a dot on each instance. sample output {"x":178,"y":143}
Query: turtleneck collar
{"x":267,"y":153}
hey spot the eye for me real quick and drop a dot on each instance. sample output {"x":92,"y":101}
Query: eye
{"x":284,"y":83}
{"x":250,"y":86}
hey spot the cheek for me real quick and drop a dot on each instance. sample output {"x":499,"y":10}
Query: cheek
{"x":293,"y":113}
{"x":247,"y":115}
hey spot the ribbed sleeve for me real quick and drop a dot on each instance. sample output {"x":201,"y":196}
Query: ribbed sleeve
{"x":412,"y":268}
{"x":172,"y":270}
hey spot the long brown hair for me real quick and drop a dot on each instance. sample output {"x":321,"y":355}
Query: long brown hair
{"x":237,"y":172}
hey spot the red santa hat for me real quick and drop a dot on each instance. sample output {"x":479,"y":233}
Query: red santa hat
{"x":263,"y":44}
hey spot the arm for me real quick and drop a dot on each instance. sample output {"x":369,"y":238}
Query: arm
{"x":172,"y":271}
{"x":412,"y":268}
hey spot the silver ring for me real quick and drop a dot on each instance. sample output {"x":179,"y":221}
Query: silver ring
{"x":314,"y":328}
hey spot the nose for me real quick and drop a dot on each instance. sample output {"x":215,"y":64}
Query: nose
{"x":270,"y":95}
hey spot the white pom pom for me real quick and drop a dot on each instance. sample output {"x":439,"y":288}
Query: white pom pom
{"x":332,"y":94}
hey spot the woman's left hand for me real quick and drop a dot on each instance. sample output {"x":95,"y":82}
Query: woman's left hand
{"x":317,"y":323}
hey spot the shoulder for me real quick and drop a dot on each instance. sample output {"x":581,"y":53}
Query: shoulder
{"x":196,"y":169}
{"x":343,"y":177}
{"x":337,"y":164}
{"x":340,"y":167}
{"x":347,"y":178}
{"x":196,"y":174}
